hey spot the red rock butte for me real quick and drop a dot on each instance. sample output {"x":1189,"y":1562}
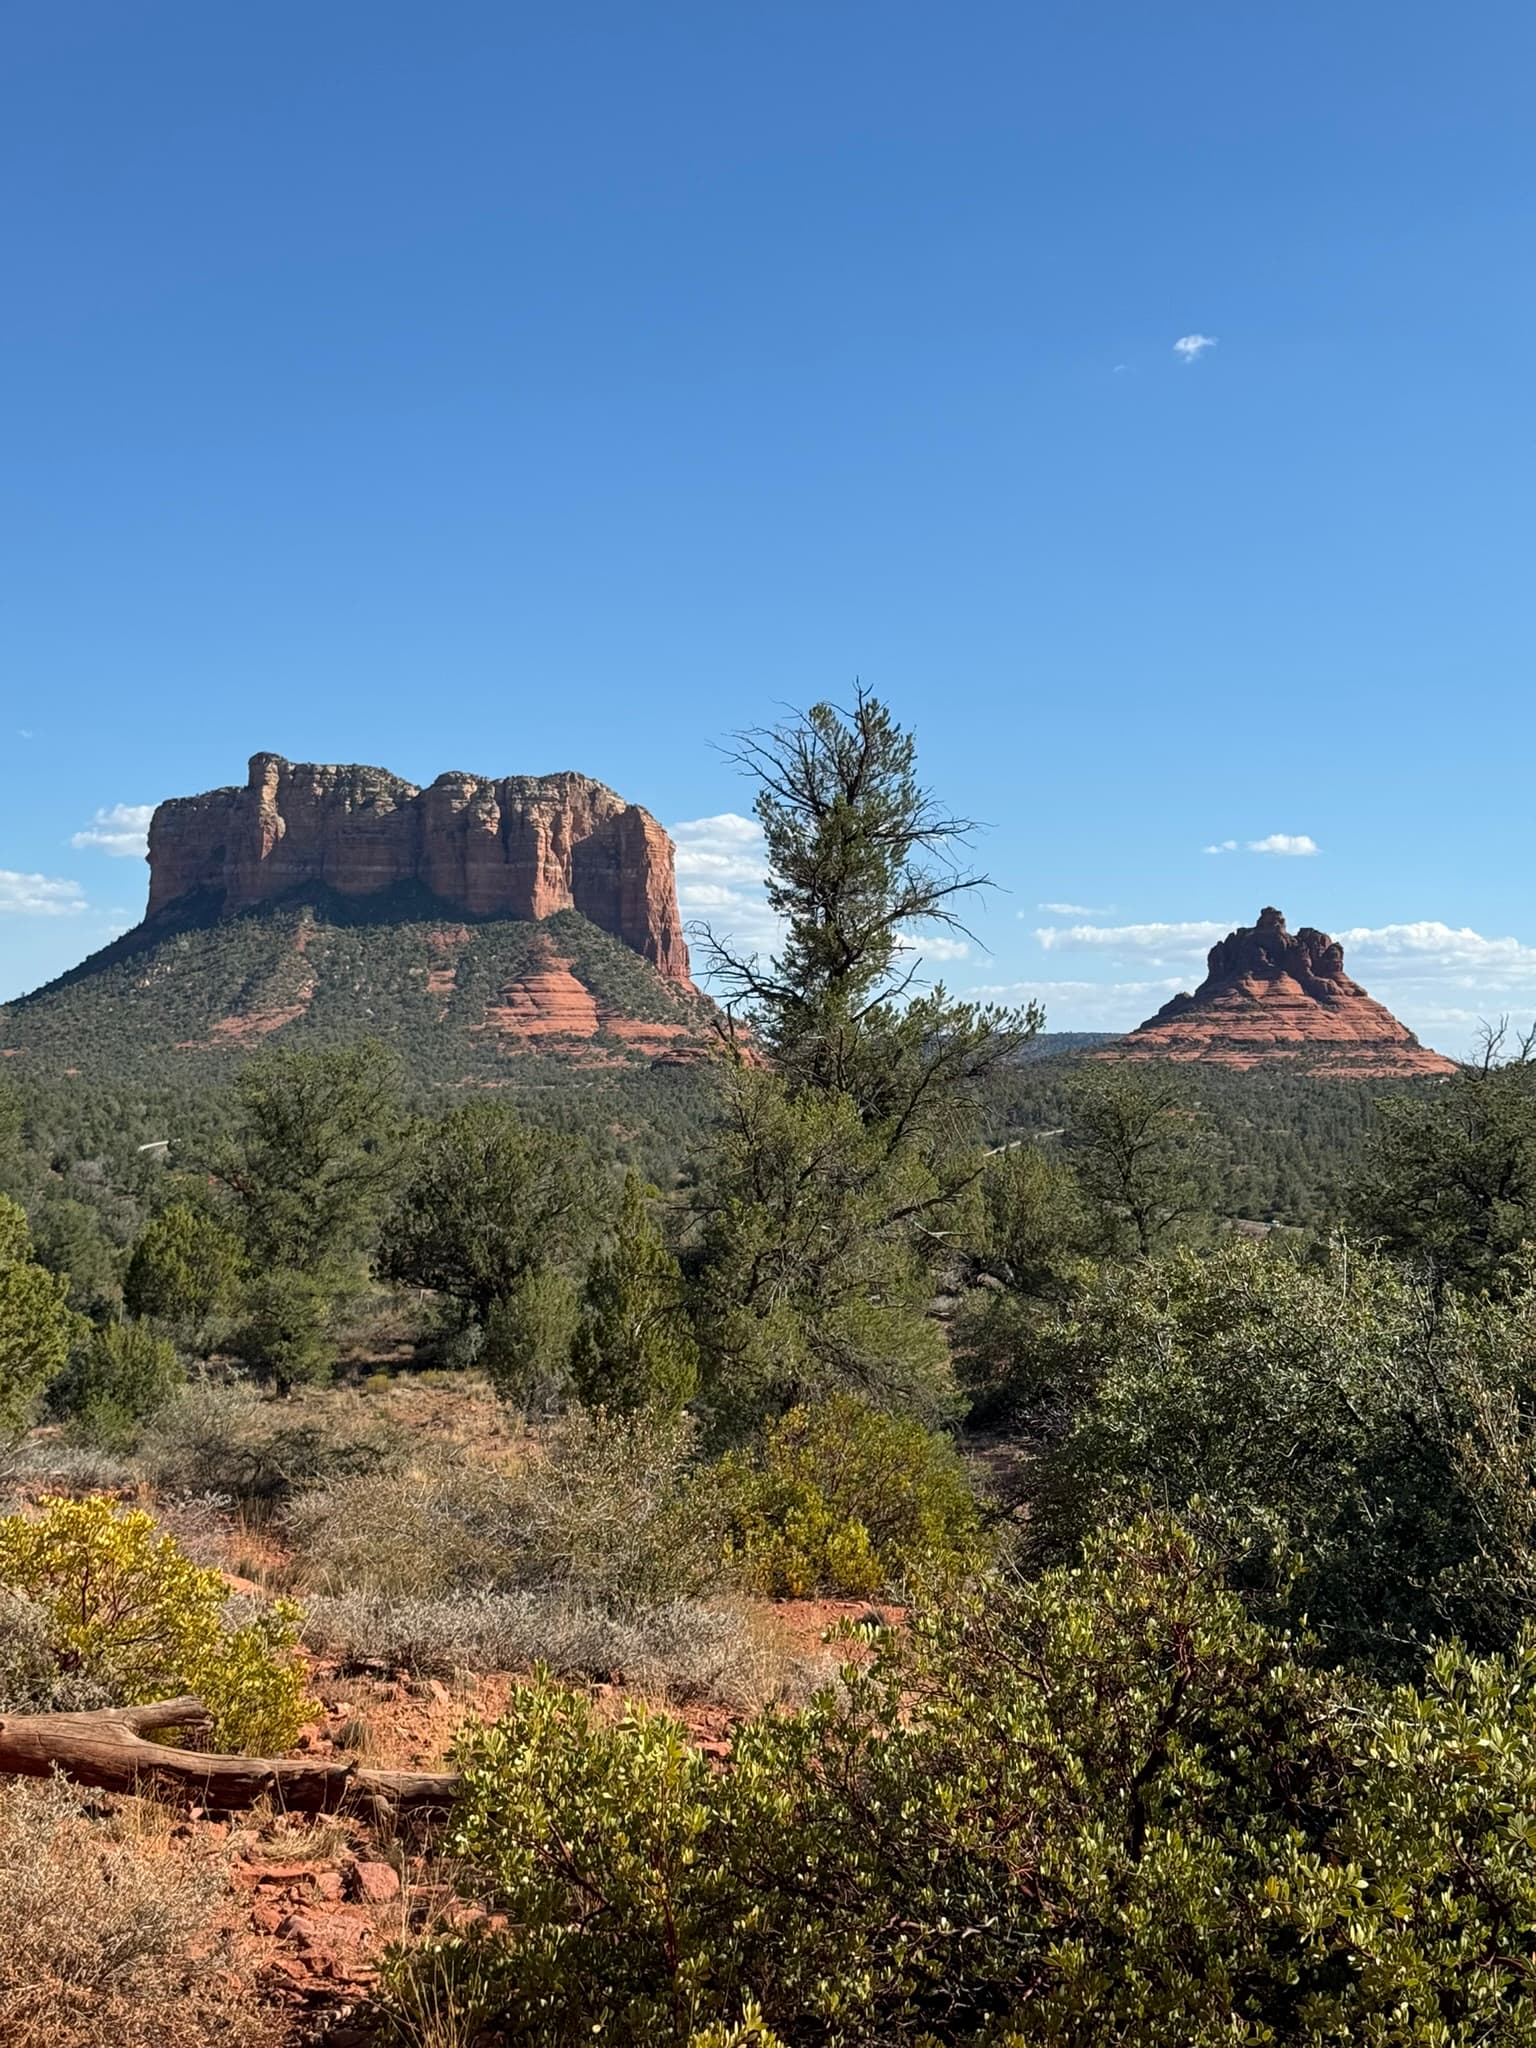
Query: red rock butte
{"x":522,"y":846}
{"x":1269,"y":995}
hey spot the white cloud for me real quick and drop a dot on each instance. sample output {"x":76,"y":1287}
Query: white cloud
{"x":1286,"y":843}
{"x":940,"y":948}
{"x":1190,"y":347}
{"x":722,"y":865}
{"x":1085,"y":1005}
{"x":39,"y":896}
{"x":1069,"y":910}
{"x":1193,"y":939}
{"x":1289,"y":843}
{"x":1429,"y":946}
{"x":122,"y":830}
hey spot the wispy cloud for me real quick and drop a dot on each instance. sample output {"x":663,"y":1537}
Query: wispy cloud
{"x":722,"y":871}
{"x":1085,"y":1005}
{"x":1289,"y":844}
{"x":39,"y":896}
{"x":1071,"y":909}
{"x":1452,"y":949}
{"x":1190,"y":347}
{"x":722,"y":865}
{"x":1191,"y":939}
{"x":121,"y":830}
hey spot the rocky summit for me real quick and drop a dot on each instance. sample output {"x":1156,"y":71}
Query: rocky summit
{"x":521,"y":846}
{"x":1271,"y":994}
{"x":477,"y":924}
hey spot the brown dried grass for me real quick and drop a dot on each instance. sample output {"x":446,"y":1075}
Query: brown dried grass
{"x":113,"y":1932}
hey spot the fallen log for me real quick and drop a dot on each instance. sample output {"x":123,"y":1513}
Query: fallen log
{"x":108,"y":1749}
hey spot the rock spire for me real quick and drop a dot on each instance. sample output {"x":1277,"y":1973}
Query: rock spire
{"x":1271,"y":994}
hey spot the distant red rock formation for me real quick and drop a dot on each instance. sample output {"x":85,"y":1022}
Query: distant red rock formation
{"x":1271,"y":994}
{"x":519,"y":846}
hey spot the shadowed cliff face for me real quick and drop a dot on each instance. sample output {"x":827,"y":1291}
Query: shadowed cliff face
{"x":1273,"y":994}
{"x":520,"y":846}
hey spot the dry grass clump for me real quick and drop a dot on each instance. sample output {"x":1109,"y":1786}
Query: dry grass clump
{"x":684,"y":1650}
{"x":422,"y":1531}
{"x":108,"y":1936}
{"x":45,"y":1463}
{"x":257,"y":1451}
{"x":607,"y":1512}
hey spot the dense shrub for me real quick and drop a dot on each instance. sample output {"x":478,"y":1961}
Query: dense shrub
{"x":35,"y":1324}
{"x":438,"y":1526}
{"x":118,"y":1376}
{"x":127,"y":1610}
{"x":1104,"y":1809}
{"x":846,"y":1499}
{"x":1331,"y":1410}
{"x":31,"y":1680}
{"x":186,"y":1270}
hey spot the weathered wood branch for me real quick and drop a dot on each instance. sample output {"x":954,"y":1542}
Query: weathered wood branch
{"x":108,"y":1749}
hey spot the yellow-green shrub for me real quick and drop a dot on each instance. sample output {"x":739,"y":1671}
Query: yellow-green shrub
{"x":846,"y":1499}
{"x":125,"y":1606}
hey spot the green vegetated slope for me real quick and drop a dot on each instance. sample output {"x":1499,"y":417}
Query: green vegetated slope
{"x":319,"y":969}
{"x":1283,"y":1140}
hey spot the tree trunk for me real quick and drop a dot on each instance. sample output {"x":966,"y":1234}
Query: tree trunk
{"x":108,"y":1749}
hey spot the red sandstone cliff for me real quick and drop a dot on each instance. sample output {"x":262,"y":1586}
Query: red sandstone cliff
{"x":1272,"y":994}
{"x":520,"y":846}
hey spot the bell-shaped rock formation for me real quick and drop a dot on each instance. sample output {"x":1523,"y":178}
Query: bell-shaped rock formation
{"x":523,"y":846}
{"x":1272,"y":994}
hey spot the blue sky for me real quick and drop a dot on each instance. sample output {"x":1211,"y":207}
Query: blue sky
{"x":515,"y":388}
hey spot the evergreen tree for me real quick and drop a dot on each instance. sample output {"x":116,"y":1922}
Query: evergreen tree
{"x":1449,"y":1179}
{"x":837,"y":1177}
{"x":634,"y":1347}
{"x":808,"y":1279}
{"x":186,"y":1269}
{"x":862,"y":861}
{"x":1139,"y":1150}
{"x":494,"y":1204}
{"x":317,"y":1153}
{"x":35,"y":1324}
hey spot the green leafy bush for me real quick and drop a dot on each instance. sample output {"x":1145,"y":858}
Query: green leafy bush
{"x":1328,"y":1409}
{"x":187,"y":1268}
{"x":1105,"y":1809}
{"x":35,"y":1324}
{"x":119,"y":1375}
{"x":846,"y":1499}
{"x":128,"y":1610}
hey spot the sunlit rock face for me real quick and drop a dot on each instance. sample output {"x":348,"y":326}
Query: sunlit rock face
{"x":520,"y":846}
{"x":1270,"y":994}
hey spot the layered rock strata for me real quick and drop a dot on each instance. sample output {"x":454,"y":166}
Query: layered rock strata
{"x":521,"y":846}
{"x":1272,"y":994}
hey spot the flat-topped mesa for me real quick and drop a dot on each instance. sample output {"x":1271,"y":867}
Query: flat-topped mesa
{"x":520,"y":846}
{"x":1272,"y":994}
